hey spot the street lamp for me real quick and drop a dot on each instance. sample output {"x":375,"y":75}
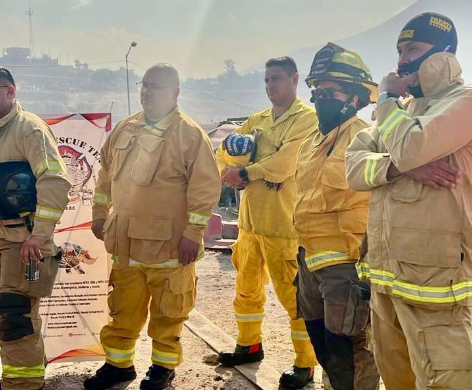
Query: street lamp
{"x":133,"y":44}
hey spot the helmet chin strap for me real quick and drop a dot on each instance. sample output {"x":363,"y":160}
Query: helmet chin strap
{"x":343,"y":113}
{"x":346,"y":106}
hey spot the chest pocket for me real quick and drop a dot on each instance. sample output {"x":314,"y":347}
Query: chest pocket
{"x":150,"y":152}
{"x":334,"y":184}
{"x":334,"y":173}
{"x":121,"y":149}
{"x":266,"y":144}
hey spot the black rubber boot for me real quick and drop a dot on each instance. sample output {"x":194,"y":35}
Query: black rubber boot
{"x":297,"y":378}
{"x":107,"y":376}
{"x":242,"y":355}
{"x":157,"y":378}
{"x":334,"y":353}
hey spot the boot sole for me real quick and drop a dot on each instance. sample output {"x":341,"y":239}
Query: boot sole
{"x":169,"y":382}
{"x":253,"y":359}
{"x":130,"y":378}
{"x":292,"y":385}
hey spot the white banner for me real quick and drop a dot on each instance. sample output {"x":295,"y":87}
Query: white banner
{"x":77,"y":310}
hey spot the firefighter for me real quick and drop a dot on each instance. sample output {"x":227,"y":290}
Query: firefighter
{"x":156,"y":189}
{"x":331,"y":219}
{"x":417,"y":161}
{"x":33,"y":195}
{"x":260,"y":157}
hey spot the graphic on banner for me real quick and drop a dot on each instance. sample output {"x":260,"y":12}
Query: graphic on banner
{"x":79,"y":172}
{"x":77,"y":309}
{"x":73,"y":255}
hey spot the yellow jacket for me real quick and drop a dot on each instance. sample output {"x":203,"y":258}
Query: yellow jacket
{"x":263,"y":211}
{"x":25,"y":137}
{"x":161,"y":182}
{"x":419,"y":238}
{"x":330,"y":218}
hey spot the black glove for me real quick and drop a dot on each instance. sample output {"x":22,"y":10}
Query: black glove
{"x":270,"y":185}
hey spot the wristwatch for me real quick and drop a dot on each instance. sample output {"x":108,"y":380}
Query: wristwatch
{"x":243,"y":174}
{"x":386,"y":95}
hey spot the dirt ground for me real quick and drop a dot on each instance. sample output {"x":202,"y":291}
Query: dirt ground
{"x":215,"y":296}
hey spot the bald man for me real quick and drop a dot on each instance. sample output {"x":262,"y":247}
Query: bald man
{"x":156,"y":189}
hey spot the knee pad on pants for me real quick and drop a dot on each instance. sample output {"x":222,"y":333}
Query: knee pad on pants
{"x":13,"y":324}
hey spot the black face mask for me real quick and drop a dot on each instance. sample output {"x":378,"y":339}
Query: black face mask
{"x":333,"y":112}
{"x":447,"y":44}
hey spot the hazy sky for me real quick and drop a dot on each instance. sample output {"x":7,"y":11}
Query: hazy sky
{"x":194,"y":35}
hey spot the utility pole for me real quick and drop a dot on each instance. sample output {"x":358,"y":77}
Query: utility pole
{"x":133,"y":44}
{"x":29,"y":13}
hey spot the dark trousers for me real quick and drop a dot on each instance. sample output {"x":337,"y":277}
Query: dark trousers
{"x":335,"y":306}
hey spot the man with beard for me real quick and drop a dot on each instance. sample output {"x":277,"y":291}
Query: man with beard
{"x":417,"y":161}
{"x":33,"y":195}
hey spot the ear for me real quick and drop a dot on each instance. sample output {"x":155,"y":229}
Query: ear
{"x":11,"y":92}
{"x":177,"y":92}
{"x":295,"y":76}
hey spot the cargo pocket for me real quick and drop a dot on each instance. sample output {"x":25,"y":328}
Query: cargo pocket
{"x":122,"y":149}
{"x":178,"y":296}
{"x":449,"y":354}
{"x":406,"y":190}
{"x":357,"y":311}
{"x":150,"y":151}
{"x":296,"y":284}
{"x":282,"y":266}
{"x":351,"y":318}
{"x":148,"y":236}
{"x":425,"y":258}
{"x":109,"y":229}
{"x":249,"y":274}
{"x":359,"y":296}
{"x":48,"y":268}
{"x":334,"y":183}
{"x":12,"y":268}
{"x":111,"y":298}
{"x":448,"y":347}
{"x":234,"y":255}
{"x":14,"y":234}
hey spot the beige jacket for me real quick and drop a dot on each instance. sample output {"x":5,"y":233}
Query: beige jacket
{"x":330,"y":218}
{"x":419,"y":239}
{"x":25,"y":137}
{"x":263,"y":211}
{"x":160,"y":183}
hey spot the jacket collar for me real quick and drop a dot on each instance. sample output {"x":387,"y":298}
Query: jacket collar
{"x":159,"y":127}
{"x":439,"y":74}
{"x":15,"y":110}
{"x":295,"y":108}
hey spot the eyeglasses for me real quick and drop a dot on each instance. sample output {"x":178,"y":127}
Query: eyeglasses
{"x":325,"y":93}
{"x":5,"y":86}
{"x":153,"y":87}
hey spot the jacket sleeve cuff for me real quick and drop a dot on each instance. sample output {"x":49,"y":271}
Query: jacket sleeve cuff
{"x":385,"y":109}
{"x":43,"y":228}
{"x":194,"y":233}
{"x":254,"y":172}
